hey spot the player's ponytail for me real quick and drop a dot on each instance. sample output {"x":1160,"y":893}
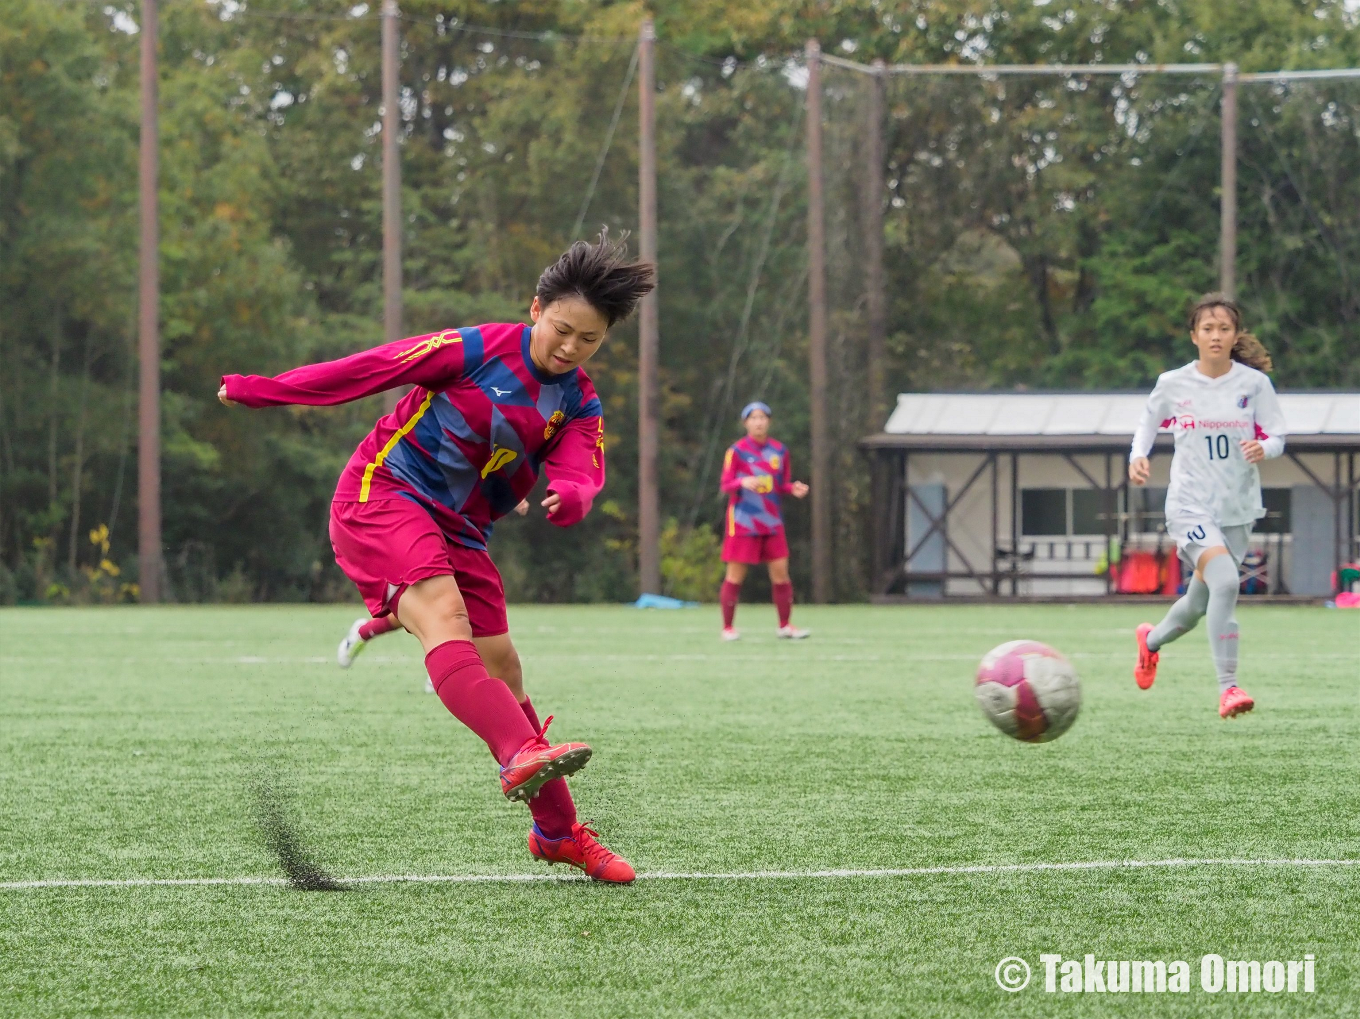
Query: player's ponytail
{"x":1252,"y":353}
{"x":1248,"y":349}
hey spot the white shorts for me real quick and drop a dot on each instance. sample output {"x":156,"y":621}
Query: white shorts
{"x":1194,"y":535}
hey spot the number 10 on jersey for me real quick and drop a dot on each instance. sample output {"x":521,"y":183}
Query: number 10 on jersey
{"x":1219,"y":447}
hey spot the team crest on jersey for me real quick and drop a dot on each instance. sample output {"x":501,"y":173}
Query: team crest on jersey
{"x":554,"y":423}
{"x":774,"y":462}
{"x":429,"y":344}
{"x":1244,"y":401}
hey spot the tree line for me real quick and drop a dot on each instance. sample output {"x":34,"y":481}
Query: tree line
{"x":1041,"y":232}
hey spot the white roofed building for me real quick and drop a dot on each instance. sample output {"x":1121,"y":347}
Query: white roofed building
{"x":1025,"y":494}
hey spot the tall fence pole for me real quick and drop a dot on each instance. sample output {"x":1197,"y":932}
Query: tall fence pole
{"x":149,"y":554}
{"x":876,"y":295}
{"x":821,"y":467}
{"x":1227,"y":240}
{"x":649,"y":339}
{"x":391,"y":182}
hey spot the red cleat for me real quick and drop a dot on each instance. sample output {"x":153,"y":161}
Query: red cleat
{"x":1235,"y":701}
{"x":582,"y":850}
{"x":537,"y":763}
{"x":1145,"y":672}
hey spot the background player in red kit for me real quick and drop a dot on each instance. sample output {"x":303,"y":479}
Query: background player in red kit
{"x":756,"y":475}
{"x":490,"y":407}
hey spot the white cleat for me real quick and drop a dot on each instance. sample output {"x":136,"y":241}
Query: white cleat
{"x":792,"y":633}
{"x":351,"y":646}
{"x":731,"y":633}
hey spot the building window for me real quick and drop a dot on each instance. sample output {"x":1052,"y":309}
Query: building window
{"x":1091,"y":512}
{"x":1043,"y":511}
{"x":1276,"y":520}
{"x":1148,"y":506}
{"x":1063,"y":512}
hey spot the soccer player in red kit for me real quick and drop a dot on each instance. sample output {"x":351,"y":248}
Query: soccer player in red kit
{"x":756,"y":474}
{"x":490,"y":407}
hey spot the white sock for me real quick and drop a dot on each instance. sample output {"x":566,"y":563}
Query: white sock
{"x":1182,"y":617}
{"x":1220,"y":574}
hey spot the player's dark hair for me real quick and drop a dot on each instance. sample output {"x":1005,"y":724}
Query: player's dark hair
{"x":601,"y":275}
{"x":1248,"y":349}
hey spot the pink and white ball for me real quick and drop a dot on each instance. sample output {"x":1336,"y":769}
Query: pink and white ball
{"x":1028,"y":691}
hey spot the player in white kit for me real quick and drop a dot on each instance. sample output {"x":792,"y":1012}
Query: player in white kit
{"x":1225,"y":417}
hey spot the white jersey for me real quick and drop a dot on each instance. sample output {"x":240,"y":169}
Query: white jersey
{"x":1210,"y":479}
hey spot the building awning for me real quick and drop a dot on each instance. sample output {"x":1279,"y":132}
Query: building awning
{"x":1083,"y":422}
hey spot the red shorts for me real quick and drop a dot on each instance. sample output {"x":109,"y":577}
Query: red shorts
{"x":755,"y":548}
{"x":387,"y":545}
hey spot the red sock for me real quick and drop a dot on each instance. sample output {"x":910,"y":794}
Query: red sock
{"x":484,"y":705}
{"x":728,"y":597}
{"x":376,"y":627}
{"x":783,"y":601}
{"x":553,"y":809}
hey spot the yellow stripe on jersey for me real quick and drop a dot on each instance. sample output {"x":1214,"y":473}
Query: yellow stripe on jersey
{"x":731,"y":522}
{"x":397,"y":436}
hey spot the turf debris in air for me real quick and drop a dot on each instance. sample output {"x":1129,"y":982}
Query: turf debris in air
{"x":281,"y":836}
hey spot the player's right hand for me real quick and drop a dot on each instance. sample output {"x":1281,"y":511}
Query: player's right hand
{"x":750,"y":483}
{"x":1139,"y":470}
{"x":222,"y":395}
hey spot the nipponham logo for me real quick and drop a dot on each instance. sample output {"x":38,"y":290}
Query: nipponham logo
{"x":429,"y":344}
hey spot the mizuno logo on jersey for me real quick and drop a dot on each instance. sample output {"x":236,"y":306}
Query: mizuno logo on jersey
{"x":430,"y":343}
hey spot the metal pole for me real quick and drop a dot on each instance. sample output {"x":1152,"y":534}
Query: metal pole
{"x":649,"y":341}
{"x":876,"y":296}
{"x":149,"y":555}
{"x":1227,"y":242}
{"x":996,"y":576}
{"x":821,"y":460}
{"x":391,"y":183}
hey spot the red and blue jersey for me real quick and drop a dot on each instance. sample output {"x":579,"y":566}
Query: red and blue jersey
{"x":468,"y":441}
{"x":756,"y":512}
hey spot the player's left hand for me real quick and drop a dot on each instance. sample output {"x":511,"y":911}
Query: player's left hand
{"x":523,"y":507}
{"x":798,"y":489}
{"x":551,"y":503}
{"x":222,"y":395}
{"x":1252,"y":451}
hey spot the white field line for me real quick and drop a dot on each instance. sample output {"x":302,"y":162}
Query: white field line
{"x":663,"y":875}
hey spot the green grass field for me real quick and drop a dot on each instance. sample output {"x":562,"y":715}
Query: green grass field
{"x":130,"y":739}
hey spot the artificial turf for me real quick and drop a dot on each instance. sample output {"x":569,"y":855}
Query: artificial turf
{"x":130,"y":741}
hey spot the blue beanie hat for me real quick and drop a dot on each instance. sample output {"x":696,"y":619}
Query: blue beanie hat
{"x":756,"y":405}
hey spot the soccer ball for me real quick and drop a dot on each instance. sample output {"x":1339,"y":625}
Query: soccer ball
{"x":1028,"y":691}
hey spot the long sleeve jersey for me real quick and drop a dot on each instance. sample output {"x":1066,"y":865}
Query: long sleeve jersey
{"x":1210,"y":478}
{"x":756,"y":512}
{"x":466,"y":443}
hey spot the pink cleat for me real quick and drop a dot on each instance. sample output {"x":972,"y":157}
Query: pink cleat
{"x":1145,"y":672}
{"x":537,"y":763}
{"x":582,"y":849}
{"x":731,"y":633}
{"x":1235,"y":701}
